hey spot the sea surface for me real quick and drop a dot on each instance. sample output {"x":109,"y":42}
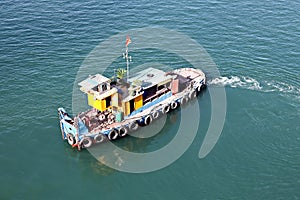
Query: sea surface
{"x":256,"y":47}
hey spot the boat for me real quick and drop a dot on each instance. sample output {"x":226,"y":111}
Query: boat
{"x":121,"y":105}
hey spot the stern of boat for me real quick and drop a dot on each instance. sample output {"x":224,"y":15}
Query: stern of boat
{"x":67,"y":126}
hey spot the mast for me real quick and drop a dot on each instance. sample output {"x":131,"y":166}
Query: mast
{"x":126,"y":56}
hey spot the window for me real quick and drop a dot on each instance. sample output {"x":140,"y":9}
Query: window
{"x":104,"y":87}
{"x":161,"y":87}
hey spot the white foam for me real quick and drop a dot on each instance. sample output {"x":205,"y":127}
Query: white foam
{"x":283,"y":88}
{"x":250,"y":83}
{"x":235,"y":81}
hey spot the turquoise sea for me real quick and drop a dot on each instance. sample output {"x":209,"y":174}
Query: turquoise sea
{"x":256,"y":47}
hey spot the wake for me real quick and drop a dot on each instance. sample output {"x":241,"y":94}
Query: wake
{"x":250,"y":83}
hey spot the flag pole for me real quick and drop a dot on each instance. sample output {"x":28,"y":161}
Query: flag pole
{"x":128,"y":58}
{"x":127,"y":62}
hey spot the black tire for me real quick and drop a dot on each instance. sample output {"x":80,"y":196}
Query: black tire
{"x":174,"y":105}
{"x":184,"y":100}
{"x":113,"y":134}
{"x":155,"y":114}
{"x":148,"y":119}
{"x":86,"y":142}
{"x":193,"y":95}
{"x":70,"y":139}
{"x":166,"y":109}
{"x":123,"y":131}
{"x":98,"y":138}
{"x":133,"y":126}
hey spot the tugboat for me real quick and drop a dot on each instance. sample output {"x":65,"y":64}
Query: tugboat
{"x":122,"y":106}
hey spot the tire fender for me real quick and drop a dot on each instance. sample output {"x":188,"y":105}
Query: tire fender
{"x":174,"y":105}
{"x":123,"y":131}
{"x":133,"y":126}
{"x":148,"y":119}
{"x":166,"y":109}
{"x":155,"y":114}
{"x":86,"y":142}
{"x":113,"y":134}
{"x":98,"y":138}
{"x":70,"y":139}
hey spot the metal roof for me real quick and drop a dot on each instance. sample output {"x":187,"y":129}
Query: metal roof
{"x":150,"y":76}
{"x":92,"y":82}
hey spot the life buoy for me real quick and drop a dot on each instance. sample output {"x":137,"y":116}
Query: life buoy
{"x":98,"y":138}
{"x":133,"y":126}
{"x":166,"y":109}
{"x":192,"y":95}
{"x":174,"y":105}
{"x":71,"y":139}
{"x":123,"y":131}
{"x":112,"y":135}
{"x":155,"y":114}
{"x":184,"y":100}
{"x":86,"y":142}
{"x":148,"y":119}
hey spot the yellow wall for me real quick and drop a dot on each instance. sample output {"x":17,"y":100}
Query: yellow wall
{"x":90,"y":99}
{"x":138,"y":102}
{"x":98,"y":104}
{"x":126,"y":108}
{"x":103,"y":105}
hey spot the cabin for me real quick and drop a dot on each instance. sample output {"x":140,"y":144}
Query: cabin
{"x":153,"y":84}
{"x":131,"y":96}
{"x":100,"y":94}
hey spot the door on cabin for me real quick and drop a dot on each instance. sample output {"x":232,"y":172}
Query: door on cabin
{"x":131,"y":104}
{"x":108,"y":101}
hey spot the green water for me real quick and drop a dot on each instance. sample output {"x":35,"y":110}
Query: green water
{"x":255,"y":45}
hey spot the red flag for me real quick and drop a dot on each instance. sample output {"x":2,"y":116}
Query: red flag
{"x":128,"y":40}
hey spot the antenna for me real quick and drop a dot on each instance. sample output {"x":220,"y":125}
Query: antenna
{"x":128,"y":58}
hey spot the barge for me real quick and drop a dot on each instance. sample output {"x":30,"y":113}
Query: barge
{"x":121,"y":106}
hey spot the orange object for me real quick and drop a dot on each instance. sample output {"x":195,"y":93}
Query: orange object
{"x":74,"y":145}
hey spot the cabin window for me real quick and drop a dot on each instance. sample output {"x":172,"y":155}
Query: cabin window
{"x":149,"y":92}
{"x":95,"y":88}
{"x":161,"y":87}
{"x":104,"y":87}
